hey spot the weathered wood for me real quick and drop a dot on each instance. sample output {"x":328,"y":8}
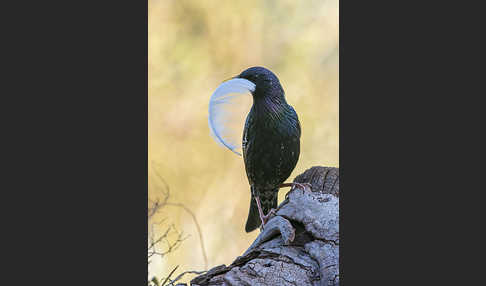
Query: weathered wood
{"x":298,"y":246}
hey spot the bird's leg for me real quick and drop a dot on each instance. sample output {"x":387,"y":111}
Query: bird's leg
{"x":263,"y":217}
{"x":266,"y":218}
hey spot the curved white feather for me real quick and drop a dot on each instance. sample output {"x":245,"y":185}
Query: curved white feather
{"x":228,"y":108}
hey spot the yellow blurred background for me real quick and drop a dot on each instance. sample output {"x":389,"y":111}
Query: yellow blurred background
{"x":192,"y":47}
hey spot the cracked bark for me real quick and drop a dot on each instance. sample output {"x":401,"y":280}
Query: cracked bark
{"x":299,"y":246}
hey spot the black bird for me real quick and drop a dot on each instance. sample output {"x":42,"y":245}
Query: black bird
{"x":271,"y":138}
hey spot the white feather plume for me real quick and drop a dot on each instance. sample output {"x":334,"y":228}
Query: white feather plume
{"x":228,"y":107}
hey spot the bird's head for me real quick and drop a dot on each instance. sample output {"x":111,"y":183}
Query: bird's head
{"x":266,"y":82}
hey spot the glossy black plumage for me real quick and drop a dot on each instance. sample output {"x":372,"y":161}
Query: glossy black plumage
{"x":271,"y":142}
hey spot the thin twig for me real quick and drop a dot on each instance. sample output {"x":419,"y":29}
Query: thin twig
{"x":167,"y":188}
{"x":163,"y":283}
{"x":154,"y":207}
{"x":152,"y":248}
{"x":187,"y":272}
{"x":198,"y":230}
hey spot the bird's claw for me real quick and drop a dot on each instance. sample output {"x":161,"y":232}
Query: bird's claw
{"x":295,"y":185}
{"x":303,"y":185}
{"x":266,"y":217}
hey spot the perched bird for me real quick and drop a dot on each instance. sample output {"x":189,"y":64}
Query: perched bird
{"x":271,"y":136}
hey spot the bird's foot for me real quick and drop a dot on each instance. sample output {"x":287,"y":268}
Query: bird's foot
{"x":266,"y":217}
{"x":294,"y":185}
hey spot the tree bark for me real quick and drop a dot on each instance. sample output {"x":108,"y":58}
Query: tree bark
{"x":298,"y":246}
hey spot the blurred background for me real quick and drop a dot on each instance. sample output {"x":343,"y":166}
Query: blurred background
{"x":192,"y":47}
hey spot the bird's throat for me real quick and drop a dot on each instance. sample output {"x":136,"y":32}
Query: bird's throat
{"x":269,"y":107}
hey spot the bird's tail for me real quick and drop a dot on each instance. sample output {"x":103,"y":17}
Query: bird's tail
{"x":268,"y":200}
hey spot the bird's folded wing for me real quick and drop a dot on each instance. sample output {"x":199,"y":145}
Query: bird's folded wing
{"x":228,"y":107}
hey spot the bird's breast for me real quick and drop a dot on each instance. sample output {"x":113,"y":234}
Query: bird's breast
{"x":271,"y":147}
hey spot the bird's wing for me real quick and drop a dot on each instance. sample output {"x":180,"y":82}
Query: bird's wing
{"x":228,"y":108}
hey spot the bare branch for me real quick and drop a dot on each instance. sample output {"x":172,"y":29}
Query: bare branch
{"x":166,"y":238}
{"x":184,"y":273}
{"x":165,"y":190}
{"x":171,"y":246}
{"x":198,"y":230}
{"x":170,"y":274}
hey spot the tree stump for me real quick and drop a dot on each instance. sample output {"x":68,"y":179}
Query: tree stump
{"x":298,"y":246}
